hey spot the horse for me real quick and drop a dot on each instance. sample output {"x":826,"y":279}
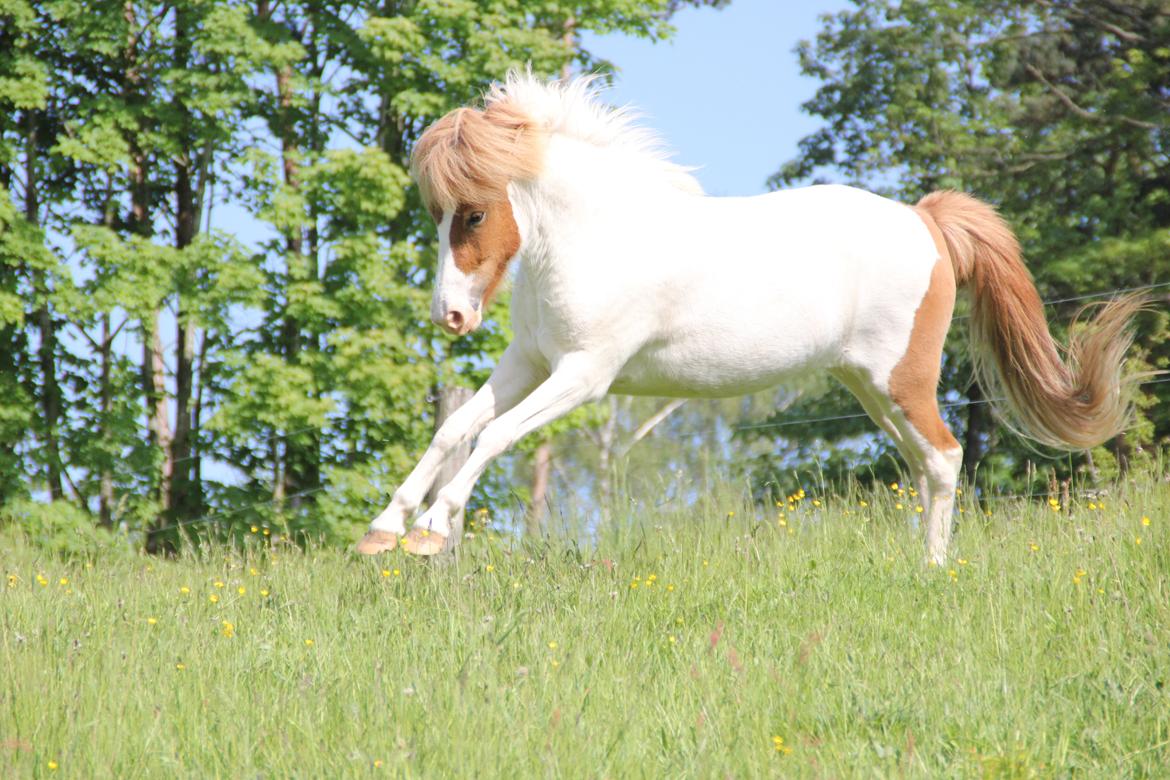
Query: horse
{"x":630,"y":280}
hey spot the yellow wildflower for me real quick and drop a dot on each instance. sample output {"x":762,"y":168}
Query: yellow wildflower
{"x":228,"y":629}
{"x":1145,"y":520}
{"x":778,"y":744}
{"x":213,"y":598}
{"x":151,"y":620}
{"x":308,"y":643}
{"x":184,"y":590}
{"x":241,"y":590}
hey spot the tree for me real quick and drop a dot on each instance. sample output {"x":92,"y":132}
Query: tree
{"x":1055,"y":112}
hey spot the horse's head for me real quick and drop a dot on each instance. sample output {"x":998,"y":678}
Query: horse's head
{"x":463,"y":164}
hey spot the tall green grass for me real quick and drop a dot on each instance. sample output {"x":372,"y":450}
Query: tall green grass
{"x":699,"y":643}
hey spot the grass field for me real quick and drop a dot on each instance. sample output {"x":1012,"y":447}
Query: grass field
{"x":689,"y":644}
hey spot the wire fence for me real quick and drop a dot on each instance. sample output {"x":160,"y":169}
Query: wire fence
{"x":218,"y":516}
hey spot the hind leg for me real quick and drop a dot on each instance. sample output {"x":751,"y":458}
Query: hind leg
{"x":871,"y":400}
{"x":933,"y":455}
{"x":924,"y":431}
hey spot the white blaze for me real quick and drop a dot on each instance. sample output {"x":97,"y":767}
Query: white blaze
{"x":454,"y":290}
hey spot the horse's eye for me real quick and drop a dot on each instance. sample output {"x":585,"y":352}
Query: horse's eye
{"x":474,"y":218}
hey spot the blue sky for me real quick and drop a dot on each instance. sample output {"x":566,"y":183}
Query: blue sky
{"x":725,"y":92}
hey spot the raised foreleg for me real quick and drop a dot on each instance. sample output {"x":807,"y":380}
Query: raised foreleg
{"x":577,"y":379}
{"x":512,"y":379}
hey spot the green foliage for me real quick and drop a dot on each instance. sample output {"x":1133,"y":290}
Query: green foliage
{"x":1051,"y":111}
{"x":57,"y":529}
{"x":163,"y":369}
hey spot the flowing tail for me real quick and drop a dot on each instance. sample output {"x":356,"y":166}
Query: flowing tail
{"x":1071,"y":403}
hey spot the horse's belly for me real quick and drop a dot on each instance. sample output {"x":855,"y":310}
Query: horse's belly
{"x":713,"y":370}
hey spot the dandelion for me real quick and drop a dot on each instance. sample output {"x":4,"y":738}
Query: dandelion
{"x":552,"y":645}
{"x":63,"y":581}
{"x":1137,"y":540}
{"x":151,"y":621}
{"x":228,"y":629}
{"x":1078,"y":576}
{"x":255,"y":529}
{"x":730,"y":515}
{"x":52,"y":766}
{"x":705,"y":563}
{"x":41,"y":580}
{"x":213,"y":598}
{"x":670,"y":588}
{"x":778,"y":744}
{"x":308,"y":643}
{"x":180,"y":666}
{"x":816,"y":502}
{"x":264,"y":593}
{"x":962,"y":561}
{"x":218,"y":584}
{"x":898,"y":506}
{"x":864,"y":504}
{"x":397,"y":573}
{"x":184,"y":590}
{"x":954,"y":575}
{"x":253,"y":571}
{"x":1092,"y":506}
{"x":266,"y":532}
{"x":489,"y":567}
{"x":918,"y":509}
{"x":1033,"y":547}
{"x":12,"y":580}
{"x":377,"y":763}
{"x":241,"y":590}
{"x":1145,"y":520}
{"x":385,"y":572}
{"x":673,"y":639}
{"x":893,"y":486}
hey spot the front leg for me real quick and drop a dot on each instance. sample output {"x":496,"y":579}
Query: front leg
{"x":577,"y":379}
{"x":512,"y":379}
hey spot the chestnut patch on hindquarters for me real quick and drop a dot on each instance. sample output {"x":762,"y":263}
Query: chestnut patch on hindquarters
{"x":485,"y":249}
{"x":914,"y":380}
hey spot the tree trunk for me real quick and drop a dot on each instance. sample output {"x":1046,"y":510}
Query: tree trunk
{"x":978,"y":424}
{"x":450,"y":399}
{"x":159,"y":539}
{"x":47,"y":351}
{"x":106,"y":478}
{"x":606,"y":442}
{"x":537,"y":506}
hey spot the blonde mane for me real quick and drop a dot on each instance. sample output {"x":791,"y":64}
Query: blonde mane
{"x":470,"y":155}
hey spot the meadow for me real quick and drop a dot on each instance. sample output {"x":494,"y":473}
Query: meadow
{"x":717,"y":640}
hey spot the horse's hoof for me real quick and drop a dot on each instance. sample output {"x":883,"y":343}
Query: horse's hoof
{"x":375,"y":542}
{"x":423,"y":542}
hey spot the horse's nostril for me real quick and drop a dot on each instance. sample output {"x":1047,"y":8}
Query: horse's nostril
{"x":454,"y":320}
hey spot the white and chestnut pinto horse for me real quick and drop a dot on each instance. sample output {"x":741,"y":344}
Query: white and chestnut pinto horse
{"x":630,"y":280}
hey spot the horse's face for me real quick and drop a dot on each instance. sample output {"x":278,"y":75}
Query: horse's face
{"x":476,"y":241}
